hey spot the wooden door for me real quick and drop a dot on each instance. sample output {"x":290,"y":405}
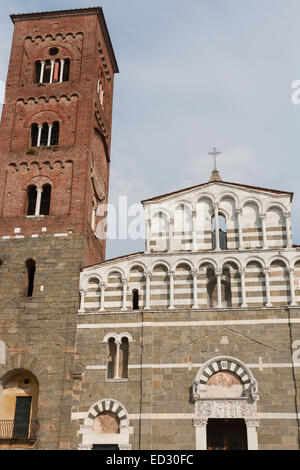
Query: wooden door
{"x":22,"y":417}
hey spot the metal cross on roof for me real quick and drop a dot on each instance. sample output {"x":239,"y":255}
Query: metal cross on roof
{"x":214,"y":153}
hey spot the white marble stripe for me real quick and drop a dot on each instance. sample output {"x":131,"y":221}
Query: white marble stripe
{"x":271,"y":321}
{"x":135,"y":416}
{"x":198,"y":365}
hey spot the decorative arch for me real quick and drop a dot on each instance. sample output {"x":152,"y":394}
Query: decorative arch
{"x":91,"y":437}
{"x":229,"y":364}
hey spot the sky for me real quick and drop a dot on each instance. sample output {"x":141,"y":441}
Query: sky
{"x":195,"y":75}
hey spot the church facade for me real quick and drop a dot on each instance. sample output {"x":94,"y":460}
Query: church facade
{"x":192,"y":344}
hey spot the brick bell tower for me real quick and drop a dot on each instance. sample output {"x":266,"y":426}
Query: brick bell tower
{"x":55,"y":139}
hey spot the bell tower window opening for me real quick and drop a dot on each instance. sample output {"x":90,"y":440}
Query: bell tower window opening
{"x":54,"y":134}
{"x":45,"y":200}
{"x":31,"y":199}
{"x":44,"y":134}
{"x":30,"y":268}
{"x":34,"y":134}
{"x":54,"y":70}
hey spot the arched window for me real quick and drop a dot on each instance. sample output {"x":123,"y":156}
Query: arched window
{"x":124,"y":354}
{"x":45,"y":200}
{"x":34,"y":134}
{"x":66,"y":70}
{"x":47,"y":72}
{"x":222,"y":232}
{"x":117,"y":364}
{"x":55,"y":134}
{"x":30,"y":274}
{"x":52,"y":70}
{"x":31,"y":199}
{"x":44,"y":134}
{"x":135,"y":299}
{"x":111,"y":358}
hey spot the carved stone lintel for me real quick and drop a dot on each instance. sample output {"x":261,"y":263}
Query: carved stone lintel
{"x":226,"y":408}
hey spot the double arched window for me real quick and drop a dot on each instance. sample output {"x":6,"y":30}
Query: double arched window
{"x":44,"y":134}
{"x":38,"y":200}
{"x":52,"y":70}
{"x":117,"y":364}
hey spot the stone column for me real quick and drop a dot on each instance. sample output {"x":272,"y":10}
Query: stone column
{"x":218,"y":273}
{"x":124,"y":300}
{"x":49,"y":134}
{"x":267,"y":282}
{"x":289,"y":241}
{"x":240,"y":228}
{"x":201,"y":433}
{"x":102,"y":287}
{"x":82,"y":296}
{"x":38,"y":201}
{"x":264,"y":231}
{"x":195,"y":288}
{"x":194,"y":229}
{"x":217,"y":232}
{"x":148,"y":276}
{"x":52,"y":70}
{"x":62,"y":63}
{"x":42,"y":71}
{"x":171,"y":235}
{"x":243,"y":287}
{"x":252,"y":425}
{"x":171,"y":278}
{"x":292,"y":287}
{"x":39,"y":135}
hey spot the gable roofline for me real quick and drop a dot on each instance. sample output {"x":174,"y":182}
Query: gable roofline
{"x":257,"y":188}
{"x":74,"y":12}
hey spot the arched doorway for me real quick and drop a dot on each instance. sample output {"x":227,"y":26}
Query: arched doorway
{"x":225,"y":394}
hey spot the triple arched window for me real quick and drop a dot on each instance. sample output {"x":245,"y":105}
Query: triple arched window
{"x":44,"y":134}
{"x":38,"y":200}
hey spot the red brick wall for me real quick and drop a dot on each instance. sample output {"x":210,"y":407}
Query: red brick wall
{"x":85,"y":127}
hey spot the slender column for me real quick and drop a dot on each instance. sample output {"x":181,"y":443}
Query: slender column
{"x":243,"y":286}
{"x":195,"y":288}
{"x":93,"y":221}
{"x":264,"y":231}
{"x":171,"y":278}
{"x":252,"y":425}
{"x":125,"y":286}
{"x":148,"y":276}
{"x":82,"y":296}
{"x":42,"y":71}
{"x":49,"y":134}
{"x":38,"y":201}
{"x":267,"y":282}
{"x":102,"y":287}
{"x":117,"y":365}
{"x":201,"y":433}
{"x":217,"y":235}
{"x":289,"y":241}
{"x":52,"y":70}
{"x":194,"y":228}
{"x":171,"y":234}
{"x":240,"y":228}
{"x":148,"y":235}
{"x":292,"y":287}
{"x":62,"y":63}
{"x":219,"y":287}
{"x":39,"y":135}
